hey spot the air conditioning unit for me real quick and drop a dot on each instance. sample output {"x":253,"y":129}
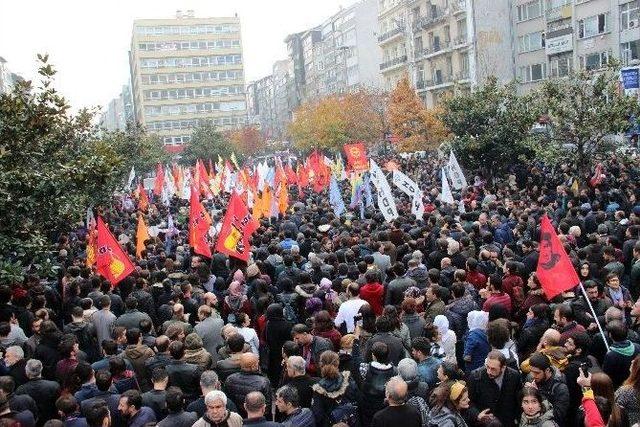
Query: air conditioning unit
{"x":634,"y":23}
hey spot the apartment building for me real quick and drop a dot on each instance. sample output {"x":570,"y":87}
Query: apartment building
{"x":7,"y":77}
{"x":555,"y":37}
{"x":119,"y":112}
{"x":185,"y":70}
{"x":444,"y":45}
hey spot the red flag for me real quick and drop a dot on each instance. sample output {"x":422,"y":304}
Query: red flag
{"x":159,"y":182}
{"x":237,"y":227}
{"x":143,"y":201}
{"x":292,"y":178}
{"x":199,"y":224}
{"x":555,"y":271}
{"x":357,"y":157}
{"x":598,"y":176}
{"x":112,"y":262}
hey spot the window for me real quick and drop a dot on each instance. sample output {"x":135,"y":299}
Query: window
{"x":533,"y":72}
{"x":630,"y":51}
{"x":530,"y":10}
{"x":594,"y":61}
{"x":593,"y":25}
{"x":560,"y":66}
{"x":629,"y":15}
{"x":530,"y":42}
{"x":552,"y":4}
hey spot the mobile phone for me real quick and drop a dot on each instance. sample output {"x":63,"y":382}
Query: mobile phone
{"x":584,"y":367}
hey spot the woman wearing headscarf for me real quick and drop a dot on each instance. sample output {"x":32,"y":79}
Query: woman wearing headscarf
{"x":277,"y":331}
{"x":235,"y":302}
{"x":476,"y":345}
{"x":446,"y":337}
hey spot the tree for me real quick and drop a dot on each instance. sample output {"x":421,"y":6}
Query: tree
{"x":51,"y":167}
{"x":207,"y":142}
{"x":491,"y":126}
{"x":247,"y":140}
{"x":141,"y":150}
{"x":417,"y":127}
{"x":583,"y":113}
{"x":335,"y":120}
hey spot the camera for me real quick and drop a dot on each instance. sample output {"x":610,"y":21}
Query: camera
{"x":584,"y":367}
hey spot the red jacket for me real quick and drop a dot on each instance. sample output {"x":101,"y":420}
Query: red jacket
{"x":592,"y":417}
{"x":373,"y":293}
{"x":502,"y":299}
{"x":332,"y":335}
{"x":477,"y":279}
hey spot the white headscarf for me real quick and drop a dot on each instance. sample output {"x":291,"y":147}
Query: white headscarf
{"x":442,"y":323}
{"x":478,"y":320}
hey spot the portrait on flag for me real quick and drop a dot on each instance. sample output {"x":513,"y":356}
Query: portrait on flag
{"x":356,"y":157}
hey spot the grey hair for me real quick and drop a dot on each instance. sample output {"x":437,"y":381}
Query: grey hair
{"x":297,"y":364}
{"x":613,"y":313}
{"x":214,"y":395}
{"x":394,"y":390}
{"x":16,"y":350}
{"x":408,"y":369}
{"x":33,"y":369}
{"x":209,"y":380}
{"x":295,"y":249}
{"x":289,"y":394}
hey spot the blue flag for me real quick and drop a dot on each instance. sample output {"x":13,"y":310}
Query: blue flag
{"x":335,"y":198}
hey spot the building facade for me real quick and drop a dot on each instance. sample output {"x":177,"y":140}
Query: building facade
{"x":7,"y":77}
{"x":444,"y":45}
{"x":552,"y":38}
{"x":186,"y":70}
{"x":119,"y":112}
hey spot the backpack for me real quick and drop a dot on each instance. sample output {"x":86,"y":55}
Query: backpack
{"x":344,"y":412}
{"x":289,"y":311}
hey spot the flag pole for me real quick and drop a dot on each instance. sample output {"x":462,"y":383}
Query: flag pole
{"x":595,"y":316}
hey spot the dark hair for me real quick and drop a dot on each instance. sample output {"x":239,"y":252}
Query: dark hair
{"x":133,"y":336}
{"x":381,"y":352}
{"x":117,"y":365}
{"x":176,"y":350}
{"x":540,"y":311}
{"x":421,"y":344}
{"x":300,"y":328}
{"x":565,"y":310}
{"x":529,"y":391}
{"x":103,"y":380}
{"x":322,"y":321}
{"x":96,"y":413}
{"x":617,"y":330}
{"x":159,"y":374}
{"x":134,"y":398}
{"x":384,"y":324}
{"x":498,"y":333}
{"x":496,"y":282}
{"x":7,"y":384}
{"x":289,"y":394}
{"x":290,"y":348}
{"x":540,"y":361}
{"x":131,"y":303}
{"x":175,"y":399}
{"x":67,"y":405}
{"x":235,"y":343}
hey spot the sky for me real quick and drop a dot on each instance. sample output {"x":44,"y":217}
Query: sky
{"x":88,"y":41}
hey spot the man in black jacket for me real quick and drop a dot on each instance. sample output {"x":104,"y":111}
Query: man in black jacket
{"x":494,"y":389}
{"x":298,"y":378}
{"x":184,"y":375}
{"x":44,"y":392}
{"x":249,"y":379}
{"x":551,"y":386}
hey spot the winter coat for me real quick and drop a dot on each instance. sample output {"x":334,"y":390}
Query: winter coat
{"x":327,"y":393}
{"x":476,"y":346}
{"x":210,"y":330}
{"x":544,"y":419}
{"x":628,"y":398}
{"x":445,"y":417}
{"x":138,"y":355}
{"x":238,"y":385}
{"x":232,"y":420}
{"x":457,"y":313}
{"x":276,"y":332}
{"x":617,"y":361}
{"x":195,"y":354}
{"x":503,"y":402}
{"x":373,"y":293}
{"x":302,"y":417}
{"x":415,"y":323}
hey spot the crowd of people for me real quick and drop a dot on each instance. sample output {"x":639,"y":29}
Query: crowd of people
{"x":344,"y":321}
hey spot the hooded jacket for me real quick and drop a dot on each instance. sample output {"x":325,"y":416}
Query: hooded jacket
{"x":445,"y":417}
{"x":138,"y":355}
{"x":327,"y":393}
{"x":195,"y":353}
{"x":617,"y":361}
{"x":543,"y":419}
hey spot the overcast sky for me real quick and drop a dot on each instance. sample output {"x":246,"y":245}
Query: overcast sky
{"x":88,"y":40}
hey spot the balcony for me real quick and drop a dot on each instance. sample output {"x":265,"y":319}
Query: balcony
{"x":382,"y":38}
{"x":443,"y":80}
{"x":558,"y":13}
{"x":424,"y":22}
{"x":393,"y":62}
{"x":459,"y":41}
{"x":436,"y":49}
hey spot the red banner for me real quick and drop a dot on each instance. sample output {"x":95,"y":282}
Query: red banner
{"x":237,"y":227}
{"x":357,"y":157}
{"x":199,"y":224}
{"x":555,"y":271}
{"x":112,"y":262}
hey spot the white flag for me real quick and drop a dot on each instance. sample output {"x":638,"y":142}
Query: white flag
{"x":411,"y":189}
{"x":458,"y":180}
{"x":132,"y":175}
{"x":186,"y":185}
{"x":386,"y":204}
{"x":446,"y":195}
{"x":169,"y":183}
